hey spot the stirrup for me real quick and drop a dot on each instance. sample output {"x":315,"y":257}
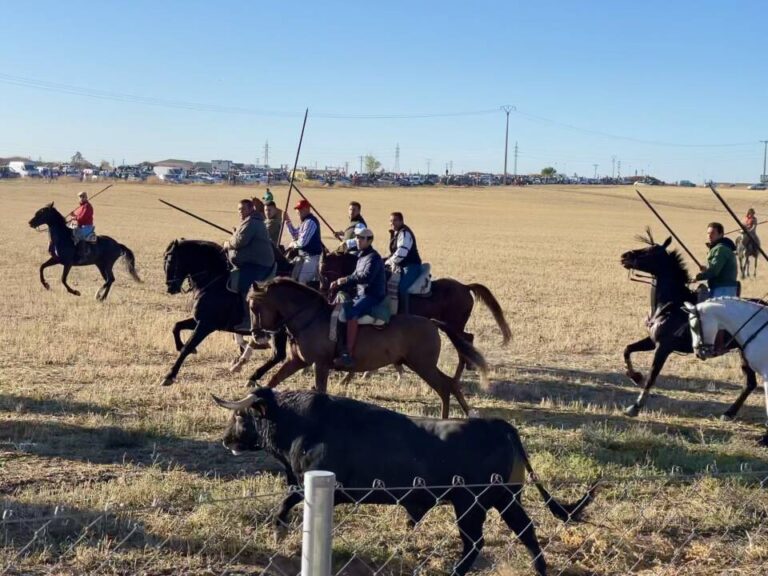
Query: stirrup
{"x":344,"y":361}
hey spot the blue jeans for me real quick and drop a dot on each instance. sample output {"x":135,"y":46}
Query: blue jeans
{"x":723,"y":291}
{"x":250,"y":273}
{"x":360,"y":307}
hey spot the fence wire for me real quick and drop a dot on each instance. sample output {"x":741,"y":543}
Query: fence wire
{"x":669,"y":524}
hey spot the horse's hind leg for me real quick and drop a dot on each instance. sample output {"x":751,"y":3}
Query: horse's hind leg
{"x":109,"y":278}
{"x":644,"y":345}
{"x":199,"y":334}
{"x":52,"y":261}
{"x":64,"y":274}
{"x":659,"y":358}
{"x":440,"y":383}
{"x":750,"y":383}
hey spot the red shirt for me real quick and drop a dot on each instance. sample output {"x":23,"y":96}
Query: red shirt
{"x":750,"y":221}
{"x":83,"y":214}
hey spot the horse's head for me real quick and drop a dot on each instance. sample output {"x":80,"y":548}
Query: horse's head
{"x":704,"y":328}
{"x":264,"y":314}
{"x":174,"y":274}
{"x":44,"y":216}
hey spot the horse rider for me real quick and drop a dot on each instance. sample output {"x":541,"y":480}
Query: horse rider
{"x":249,"y":249}
{"x":306,"y":239}
{"x":370,"y":279}
{"x":404,"y":254}
{"x":750,"y":221}
{"x":721,"y":269}
{"x":273,"y":221}
{"x":81,"y":219}
{"x":356,"y":224}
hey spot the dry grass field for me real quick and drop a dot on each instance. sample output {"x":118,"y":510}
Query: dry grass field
{"x":140,"y":484}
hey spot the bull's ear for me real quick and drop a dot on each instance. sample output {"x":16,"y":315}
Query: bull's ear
{"x":259,"y":407}
{"x":667,"y":242}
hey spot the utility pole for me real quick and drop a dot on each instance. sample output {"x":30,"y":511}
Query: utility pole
{"x":429,"y":162}
{"x":595,"y":165}
{"x":397,"y":158}
{"x":613,"y":167}
{"x":361,"y":164}
{"x":507,"y":109}
{"x":515,"y":169}
{"x":451,"y":166}
{"x":346,"y":167}
{"x":618,"y":173}
{"x":763,"y":177}
{"x":266,"y":154}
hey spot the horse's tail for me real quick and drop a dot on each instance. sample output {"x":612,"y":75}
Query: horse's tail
{"x":467,"y":352}
{"x":487,"y":298}
{"x":130,"y":262}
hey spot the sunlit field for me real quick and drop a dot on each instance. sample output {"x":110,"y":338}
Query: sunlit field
{"x":85,"y":424}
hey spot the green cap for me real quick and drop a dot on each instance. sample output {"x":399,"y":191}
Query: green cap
{"x":268,"y":196}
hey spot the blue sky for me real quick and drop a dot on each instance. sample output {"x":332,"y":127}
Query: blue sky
{"x":676,"y":89}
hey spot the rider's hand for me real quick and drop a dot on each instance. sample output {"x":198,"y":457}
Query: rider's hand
{"x":338,"y":235}
{"x":702,"y":268}
{"x":286,"y":218}
{"x":334,"y":285}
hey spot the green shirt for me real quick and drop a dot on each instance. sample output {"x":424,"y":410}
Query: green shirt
{"x":721,"y":267}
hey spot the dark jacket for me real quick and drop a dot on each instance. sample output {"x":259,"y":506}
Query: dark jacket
{"x":349,"y":231}
{"x":369,"y":275}
{"x":250,"y":243}
{"x":722,"y":269}
{"x":314,"y":244}
{"x":408,"y":252}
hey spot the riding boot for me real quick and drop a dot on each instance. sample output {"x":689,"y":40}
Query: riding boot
{"x":346,"y":360}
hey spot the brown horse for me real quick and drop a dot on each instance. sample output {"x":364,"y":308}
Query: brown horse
{"x":450,"y":301}
{"x":410,"y":340}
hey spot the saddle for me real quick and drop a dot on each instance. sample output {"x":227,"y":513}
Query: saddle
{"x":378,"y":318}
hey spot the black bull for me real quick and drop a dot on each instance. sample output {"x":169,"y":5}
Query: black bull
{"x":362,"y":443}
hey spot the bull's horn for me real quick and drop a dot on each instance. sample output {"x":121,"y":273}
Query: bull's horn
{"x":243,"y":404}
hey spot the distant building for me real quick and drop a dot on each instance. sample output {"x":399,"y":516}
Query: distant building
{"x":221,"y":166}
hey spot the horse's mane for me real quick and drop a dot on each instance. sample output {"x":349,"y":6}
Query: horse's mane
{"x":646,"y":238}
{"x":258,"y":294}
{"x":56,"y":215}
{"x":679,"y":263}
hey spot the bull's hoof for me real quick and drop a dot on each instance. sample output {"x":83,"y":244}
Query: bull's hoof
{"x":635,"y":376}
{"x":167,"y":381}
{"x":632,"y":410}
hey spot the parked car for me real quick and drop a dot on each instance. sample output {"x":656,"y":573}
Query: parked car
{"x":758,"y":186}
{"x":6,"y":172}
{"x":686,"y":184}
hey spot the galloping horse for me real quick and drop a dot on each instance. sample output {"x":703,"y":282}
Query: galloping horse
{"x":450,"y":301}
{"x":103,"y":254}
{"x":668,"y":323}
{"x":410,"y":340}
{"x":204,"y":265}
{"x":746,"y":248}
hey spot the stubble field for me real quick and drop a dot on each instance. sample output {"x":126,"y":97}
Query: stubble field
{"x":130,"y":477}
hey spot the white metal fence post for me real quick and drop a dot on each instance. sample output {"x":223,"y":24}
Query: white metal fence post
{"x":318,"y":523}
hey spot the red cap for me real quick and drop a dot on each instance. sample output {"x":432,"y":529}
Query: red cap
{"x":301,"y":204}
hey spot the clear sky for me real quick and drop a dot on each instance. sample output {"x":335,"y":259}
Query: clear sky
{"x":675,"y":89}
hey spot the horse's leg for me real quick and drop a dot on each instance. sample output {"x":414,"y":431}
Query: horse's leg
{"x":644,"y":345}
{"x":52,"y":261}
{"x":286,"y":371}
{"x":106,"y":273}
{"x":199,"y":334}
{"x":279,"y":346}
{"x":188,"y":324}
{"x":750,"y":383}
{"x":439,"y":382}
{"x":64,"y":274}
{"x":321,"y":377}
{"x":659,"y":358}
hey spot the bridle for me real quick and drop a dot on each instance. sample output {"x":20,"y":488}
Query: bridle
{"x":702,"y":349}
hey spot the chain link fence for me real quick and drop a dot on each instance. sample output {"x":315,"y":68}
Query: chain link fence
{"x":674,"y":524}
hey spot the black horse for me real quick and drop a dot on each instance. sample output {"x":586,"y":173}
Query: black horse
{"x":204,"y":265}
{"x":668,"y":324}
{"x":103,"y":253}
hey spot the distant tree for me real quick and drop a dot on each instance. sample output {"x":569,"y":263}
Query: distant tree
{"x":77,"y":159}
{"x":371,"y":164}
{"x":548,"y":172}
{"x":104,"y":165}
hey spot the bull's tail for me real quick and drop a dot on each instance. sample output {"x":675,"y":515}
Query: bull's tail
{"x":130,"y":262}
{"x":467,"y":352}
{"x":486,"y":297}
{"x":565,"y":512}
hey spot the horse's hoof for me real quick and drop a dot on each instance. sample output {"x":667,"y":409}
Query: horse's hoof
{"x":635,"y":376}
{"x":167,"y":381}
{"x":474,"y":413}
{"x":632,"y":410}
{"x":726,"y":417}
{"x":46,"y":286}
{"x":236,"y":367}
{"x":75,"y":292}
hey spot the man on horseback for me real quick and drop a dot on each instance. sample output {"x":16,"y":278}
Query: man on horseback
{"x":370,"y":279}
{"x":249,"y":250}
{"x":273,"y":221}
{"x":306,"y":239}
{"x":404,"y":255}
{"x":356,"y":224}
{"x":721,"y":270}
{"x":81,"y":220}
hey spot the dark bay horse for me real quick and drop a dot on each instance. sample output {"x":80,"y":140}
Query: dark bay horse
{"x":103,"y":253}
{"x":204,"y":265}
{"x":450,"y":301}
{"x":413,"y":341}
{"x":668,"y":323}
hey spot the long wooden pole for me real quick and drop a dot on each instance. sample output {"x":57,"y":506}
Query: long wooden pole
{"x":683,"y":246}
{"x":293,"y":176}
{"x":196,"y":217}
{"x":733,"y":214}
{"x":94,"y":196}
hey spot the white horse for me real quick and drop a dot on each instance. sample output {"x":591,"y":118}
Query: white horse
{"x":745,"y":321}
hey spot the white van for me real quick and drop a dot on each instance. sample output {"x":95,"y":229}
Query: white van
{"x":24,"y":168}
